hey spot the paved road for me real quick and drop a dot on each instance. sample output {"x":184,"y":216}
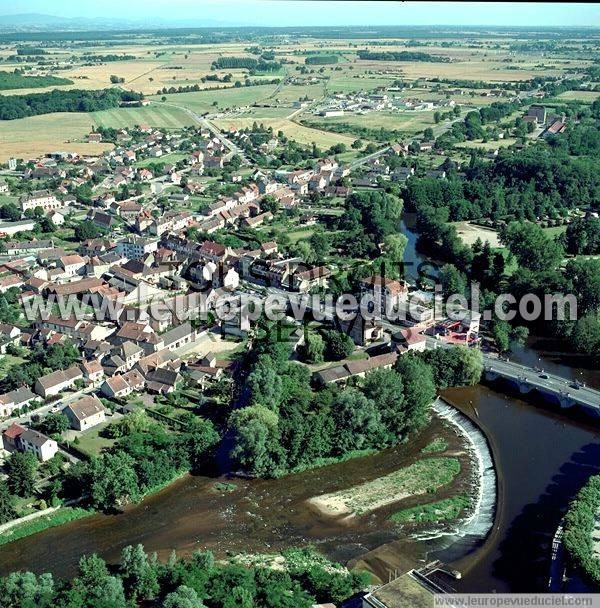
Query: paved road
{"x":210,"y":126}
{"x":44,"y":409}
{"x":544,"y":381}
{"x":365,"y":159}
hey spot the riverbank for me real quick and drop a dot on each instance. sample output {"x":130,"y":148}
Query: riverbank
{"x":50,"y":518}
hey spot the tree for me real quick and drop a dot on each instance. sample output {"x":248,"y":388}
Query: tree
{"x":314,"y":348}
{"x":338,"y":345}
{"x":582,"y":236}
{"x":469,"y":366}
{"x":7,"y":504}
{"x":453,"y":280}
{"x":183,"y":597}
{"x":257,"y":448}
{"x":114,"y":481}
{"x":320,"y":243}
{"x":139,"y":575}
{"x":501,"y":334}
{"x":519,"y":335}
{"x":26,"y":590}
{"x":269,"y":203}
{"x":357,"y":144}
{"x":54,"y":424}
{"x":265,"y":383}
{"x":87,"y":230}
{"x":586,"y":334}
{"x":585,"y":276}
{"x":21,"y":469}
{"x":386,"y":389}
{"x":357,"y":422}
{"x":10,"y":212}
{"x":530,"y":245}
{"x":395,"y":245}
{"x":94,"y":587}
{"x":419,"y":390}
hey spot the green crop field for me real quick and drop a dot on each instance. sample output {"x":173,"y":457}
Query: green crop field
{"x":202,"y":101}
{"x":155,"y":116}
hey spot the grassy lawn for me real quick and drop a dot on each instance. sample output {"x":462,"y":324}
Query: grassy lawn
{"x":441,"y":510}
{"x":91,"y":443}
{"x":5,"y":198}
{"x":553,"y":231}
{"x":303,"y":233}
{"x":345,"y":83}
{"x":300,"y":133}
{"x":407,"y":122}
{"x":202,"y":101}
{"x":422,"y":477}
{"x":230,"y":355}
{"x":167,"y":158}
{"x":7,"y":361}
{"x":588,"y":96}
{"x":488,"y":145}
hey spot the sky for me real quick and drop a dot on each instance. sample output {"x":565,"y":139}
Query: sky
{"x":317,"y":12}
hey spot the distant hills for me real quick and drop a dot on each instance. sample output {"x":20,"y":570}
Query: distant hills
{"x":42,"y":22}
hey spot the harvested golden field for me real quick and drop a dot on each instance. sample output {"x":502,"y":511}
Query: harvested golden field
{"x":299,"y":133}
{"x":34,"y":136}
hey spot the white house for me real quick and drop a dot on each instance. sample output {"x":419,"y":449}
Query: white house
{"x":85,"y":413}
{"x":55,"y":382}
{"x":43,"y":447}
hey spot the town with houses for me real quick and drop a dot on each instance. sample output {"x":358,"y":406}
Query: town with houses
{"x":141,"y":252}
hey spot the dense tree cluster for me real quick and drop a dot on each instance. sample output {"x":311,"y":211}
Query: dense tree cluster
{"x":285,"y":425}
{"x":41,"y":361}
{"x":195,"y":582}
{"x":369,"y":218}
{"x":249,"y":63}
{"x":142,"y":460}
{"x":321,"y":59}
{"x":74,"y":100}
{"x":582,"y":236}
{"x":401,"y":56}
{"x":534,"y":183}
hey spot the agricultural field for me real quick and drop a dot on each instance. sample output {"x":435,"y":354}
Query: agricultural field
{"x":155,"y":116}
{"x":586,"y":96}
{"x":204,"y":101}
{"x":37,"y":135}
{"x":408,"y":122}
{"x":299,"y":133}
